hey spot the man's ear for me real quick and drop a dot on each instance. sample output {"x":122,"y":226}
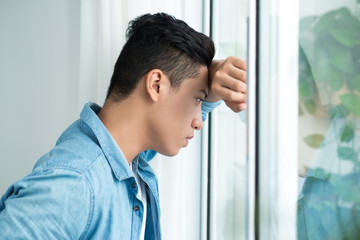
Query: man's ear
{"x":157,"y":83}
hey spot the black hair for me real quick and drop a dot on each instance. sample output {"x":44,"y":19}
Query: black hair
{"x":159,"y":41}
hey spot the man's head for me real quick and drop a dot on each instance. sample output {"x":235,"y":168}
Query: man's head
{"x":159,"y":82}
{"x":162,"y":42}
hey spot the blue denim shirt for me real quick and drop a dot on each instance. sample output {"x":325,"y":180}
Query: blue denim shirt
{"x":329,"y":202}
{"x":83,"y":189}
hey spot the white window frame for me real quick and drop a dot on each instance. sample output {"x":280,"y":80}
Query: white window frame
{"x":272,"y":119}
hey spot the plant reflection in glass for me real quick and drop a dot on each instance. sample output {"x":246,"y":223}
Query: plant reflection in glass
{"x":329,"y":88}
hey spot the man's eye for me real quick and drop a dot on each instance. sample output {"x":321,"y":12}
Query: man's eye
{"x":200,"y":100}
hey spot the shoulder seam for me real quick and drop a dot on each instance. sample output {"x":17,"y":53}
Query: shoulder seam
{"x":69,"y":168}
{"x":93,"y":162}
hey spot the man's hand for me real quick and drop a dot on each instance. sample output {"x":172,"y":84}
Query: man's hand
{"x":227,"y":79}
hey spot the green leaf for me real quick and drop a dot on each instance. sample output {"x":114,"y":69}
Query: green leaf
{"x":345,"y":153}
{"x":348,"y":22}
{"x":314,"y":140}
{"x":310,"y":106}
{"x":324,"y":71}
{"x":334,"y":78}
{"x":343,"y":110}
{"x":344,"y":20}
{"x":344,"y":36}
{"x":332,"y":112}
{"x":325,"y":22}
{"x":304,"y":88}
{"x":347,"y":133}
{"x":356,"y":82}
{"x":339,"y":111}
{"x":341,"y":59}
{"x":300,"y":111}
{"x":306,"y":79}
{"x":320,"y":64}
{"x":351,"y":102}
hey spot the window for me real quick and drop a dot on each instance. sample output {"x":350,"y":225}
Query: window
{"x":228,"y":166}
{"x":329,"y":110}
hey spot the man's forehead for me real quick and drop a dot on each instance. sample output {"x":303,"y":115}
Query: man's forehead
{"x":199,"y":83}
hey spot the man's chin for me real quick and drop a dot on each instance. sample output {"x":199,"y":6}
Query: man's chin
{"x":171,"y":153}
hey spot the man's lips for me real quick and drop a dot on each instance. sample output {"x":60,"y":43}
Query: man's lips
{"x":188,"y":139}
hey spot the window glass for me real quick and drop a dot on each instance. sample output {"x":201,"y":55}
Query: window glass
{"x":329,"y":126}
{"x":228,"y":133}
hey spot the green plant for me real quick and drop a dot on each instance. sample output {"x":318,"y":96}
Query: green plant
{"x":329,"y":69}
{"x":329,"y":87}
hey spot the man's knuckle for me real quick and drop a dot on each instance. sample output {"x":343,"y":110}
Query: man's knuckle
{"x":237,"y":86}
{"x":230,"y":95}
{"x":243,"y":75}
{"x":217,"y":74}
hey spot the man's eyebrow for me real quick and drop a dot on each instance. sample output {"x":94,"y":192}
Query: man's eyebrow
{"x":204,"y":92}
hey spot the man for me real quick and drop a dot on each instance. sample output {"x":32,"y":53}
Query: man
{"x":96,"y":182}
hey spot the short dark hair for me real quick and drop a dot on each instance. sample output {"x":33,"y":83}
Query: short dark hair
{"x":159,"y":41}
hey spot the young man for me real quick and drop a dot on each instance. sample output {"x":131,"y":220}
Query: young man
{"x":96,"y":182}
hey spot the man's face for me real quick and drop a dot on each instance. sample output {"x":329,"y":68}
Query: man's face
{"x":180,"y":115}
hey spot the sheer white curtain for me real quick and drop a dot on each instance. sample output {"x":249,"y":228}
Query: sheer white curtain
{"x":102,"y":28}
{"x":102,"y":35}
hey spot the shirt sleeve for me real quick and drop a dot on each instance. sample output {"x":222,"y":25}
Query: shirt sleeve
{"x":52,"y":204}
{"x":207,"y":107}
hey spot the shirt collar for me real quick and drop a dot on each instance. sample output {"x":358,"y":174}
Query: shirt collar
{"x":111,"y":150}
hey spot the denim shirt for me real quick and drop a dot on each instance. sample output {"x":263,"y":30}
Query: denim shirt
{"x":329,"y":202}
{"x":83,"y":189}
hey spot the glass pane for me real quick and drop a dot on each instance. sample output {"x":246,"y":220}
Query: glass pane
{"x":329,"y":110}
{"x":228,"y":168}
{"x":276,"y":119}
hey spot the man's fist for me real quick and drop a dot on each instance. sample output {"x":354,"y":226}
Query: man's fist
{"x":227,"y":79}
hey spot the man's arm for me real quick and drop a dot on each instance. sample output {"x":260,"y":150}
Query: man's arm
{"x":49,"y":204}
{"x":227,"y":79}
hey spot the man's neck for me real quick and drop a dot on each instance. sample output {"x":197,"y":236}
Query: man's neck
{"x":126,"y":122}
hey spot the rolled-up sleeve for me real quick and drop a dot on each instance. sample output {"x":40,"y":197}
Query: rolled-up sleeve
{"x":207,"y":107}
{"x":47,"y":204}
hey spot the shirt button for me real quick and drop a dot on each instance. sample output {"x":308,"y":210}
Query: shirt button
{"x":136,"y":208}
{"x":133,"y":185}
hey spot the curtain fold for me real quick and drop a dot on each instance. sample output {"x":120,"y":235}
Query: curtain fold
{"x":101,"y":38}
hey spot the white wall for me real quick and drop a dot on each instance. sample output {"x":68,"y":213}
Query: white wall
{"x":38,"y":80}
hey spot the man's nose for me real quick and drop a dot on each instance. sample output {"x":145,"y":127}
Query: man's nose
{"x":197,"y":121}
